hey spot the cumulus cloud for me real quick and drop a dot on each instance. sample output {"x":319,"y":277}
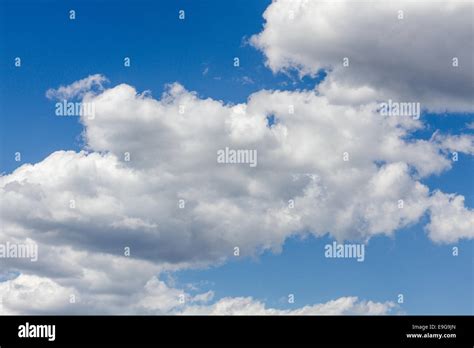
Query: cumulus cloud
{"x":450,"y":219}
{"x":456,"y":143}
{"x":148,"y":179}
{"x":32,"y":294}
{"x":36,"y":295}
{"x":400,"y":50}
{"x":249,"y":306}
{"x":144,"y":155}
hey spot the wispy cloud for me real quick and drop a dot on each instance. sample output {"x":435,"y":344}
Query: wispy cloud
{"x":77,"y":89}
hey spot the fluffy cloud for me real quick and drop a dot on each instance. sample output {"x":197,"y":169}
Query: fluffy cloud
{"x":144,"y":155}
{"x":148,"y":178}
{"x":457,"y":143}
{"x":249,"y":306}
{"x":31,"y":294}
{"x":406,"y":59}
{"x":35,"y":295}
{"x":450,"y":220}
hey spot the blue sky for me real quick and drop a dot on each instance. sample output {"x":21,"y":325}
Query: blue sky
{"x":198,"y":53}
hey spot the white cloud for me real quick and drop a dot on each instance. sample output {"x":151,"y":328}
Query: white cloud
{"x":84,"y":208}
{"x":32,"y":294}
{"x":37,"y":295}
{"x":119,"y":203}
{"x":450,"y":220}
{"x":409,"y":59}
{"x":249,"y":306}
{"x":459,"y":143}
{"x":77,"y":89}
